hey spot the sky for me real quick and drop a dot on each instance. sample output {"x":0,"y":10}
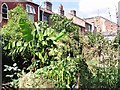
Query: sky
{"x":87,"y":8}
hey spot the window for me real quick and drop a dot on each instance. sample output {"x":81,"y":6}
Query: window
{"x":46,"y":18}
{"x":4,"y":11}
{"x":30,"y":9}
{"x":31,"y":17}
{"x":89,"y":28}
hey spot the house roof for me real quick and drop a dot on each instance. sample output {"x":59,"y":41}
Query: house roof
{"x":100,"y":17}
{"x":77,"y":20}
{"x":32,"y":3}
{"x":47,"y":11}
{"x":19,"y":1}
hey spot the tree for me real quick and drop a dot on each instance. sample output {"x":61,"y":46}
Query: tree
{"x":14,"y":34}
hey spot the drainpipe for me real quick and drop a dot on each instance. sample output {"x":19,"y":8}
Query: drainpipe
{"x":38,"y":13}
{"x":42,"y":14}
{"x":42,"y":10}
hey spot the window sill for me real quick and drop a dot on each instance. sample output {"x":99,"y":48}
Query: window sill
{"x":4,"y":18}
{"x":31,"y":13}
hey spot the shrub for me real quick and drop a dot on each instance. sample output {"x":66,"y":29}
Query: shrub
{"x":31,"y":80}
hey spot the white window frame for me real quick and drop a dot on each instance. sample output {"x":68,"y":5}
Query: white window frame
{"x":2,"y":11}
{"x":32,"y":9}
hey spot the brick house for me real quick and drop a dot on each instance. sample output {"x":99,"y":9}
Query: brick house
{"x":37,"y":13}
{"x":84,"y":26}
{"x":103,"y":25}
{"x":46,"y":12}
{"x":6,"y":5}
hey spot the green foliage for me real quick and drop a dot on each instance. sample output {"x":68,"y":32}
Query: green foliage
{"x":117,"y":40}
{"x":44,"y":38}
{"x":13,"y":44}
{"x":15,"y":34}
{"x":11,"y":74}
{"x":105,"y":77}
{"x":62,"y":23}
{"x":12,"y":70}
{"x":57,"y":54}
{"x":94,"y":38}
{"x":13,"y":28}
{"x":31,"y":80}
{"x":15,"y":83}
{"x":59,"y":72}
{"x":66,"y":63}
{"x":103,"y":56}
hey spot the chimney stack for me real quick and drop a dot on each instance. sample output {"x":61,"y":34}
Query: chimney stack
{"x":61,"y":10}
{"x":48,"y":5}
{"x":73,"y":12}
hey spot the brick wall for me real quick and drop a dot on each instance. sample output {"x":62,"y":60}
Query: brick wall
{"x":103,"y":25}
{"x":12,"y":5}
{"x":110,"y":26}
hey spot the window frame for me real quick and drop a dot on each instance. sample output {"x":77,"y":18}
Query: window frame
{"x":2,"y":10}
{"x":46,"y":18}
{"x":32,"y":9}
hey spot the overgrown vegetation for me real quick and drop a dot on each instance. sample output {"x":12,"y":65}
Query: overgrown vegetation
{"x":57,"y":55}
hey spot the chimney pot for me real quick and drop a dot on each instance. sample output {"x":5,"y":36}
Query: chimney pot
{"x":61,"y":7}
{"x":73,"y":12}
{"x":61,"y":10}
{"x":48,"y":5}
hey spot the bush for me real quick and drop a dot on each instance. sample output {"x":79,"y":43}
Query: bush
{"x":31,"y":80}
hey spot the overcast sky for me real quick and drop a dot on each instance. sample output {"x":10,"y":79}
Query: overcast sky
{"x":87,"y":8}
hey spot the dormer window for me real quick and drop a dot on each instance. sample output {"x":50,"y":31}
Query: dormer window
{"x":30,"y":9}
{"x":4,"y":11}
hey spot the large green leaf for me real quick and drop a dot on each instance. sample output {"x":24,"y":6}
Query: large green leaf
{"x":26,"y":30}
{"x":60,"y":35}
